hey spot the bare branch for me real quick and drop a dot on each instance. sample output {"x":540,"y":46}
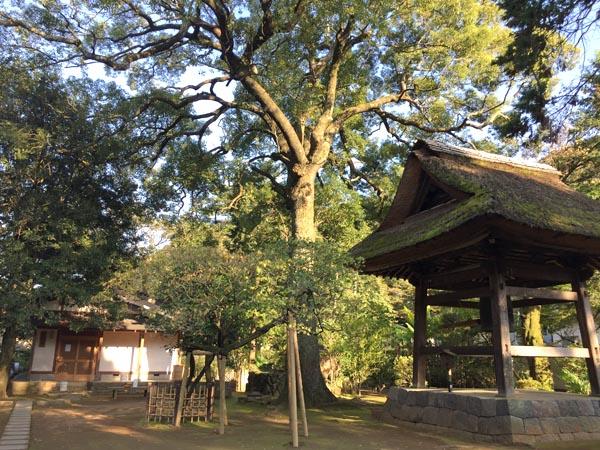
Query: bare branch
{"x":371,"y":106}
{"x":277,"y":186}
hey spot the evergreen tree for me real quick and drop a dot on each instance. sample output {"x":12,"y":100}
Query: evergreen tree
{"x":67,"y":198}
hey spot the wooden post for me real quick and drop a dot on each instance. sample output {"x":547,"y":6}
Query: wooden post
{"x":140,"y":358}
{"x":222,"y":400}
{"x":97,"y":376}
{"x":299,"y":380}
{"x":419,"y":338}
{"x":210,"y":389}
{"x":589,"y":338}
{"x":182,"y":390}
{"x":225,"y":416}
{"x":500,"y":332}
{"x":291,"y":374}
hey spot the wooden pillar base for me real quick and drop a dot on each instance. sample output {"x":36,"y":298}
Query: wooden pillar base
{"x":501,"y":332}
{"x":589,"y":338}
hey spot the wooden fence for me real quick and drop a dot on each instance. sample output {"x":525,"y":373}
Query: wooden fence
{"x":162,"y":401}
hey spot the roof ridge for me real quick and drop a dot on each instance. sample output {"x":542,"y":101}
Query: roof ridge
{"x":437,"y":146}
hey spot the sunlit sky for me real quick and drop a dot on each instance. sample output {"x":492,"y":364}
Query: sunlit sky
{"x":588,"y":49}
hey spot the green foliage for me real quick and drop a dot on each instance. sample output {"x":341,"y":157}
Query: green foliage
{"x":364,"y":333}
{"x":403,"y":367}
{"x":542,"y":47}
{"x":574,"y":376}
{"x":532,"y":383}
{"x":210,"y":298}
{"x":579,"y":157}
{"x":67,"y":195}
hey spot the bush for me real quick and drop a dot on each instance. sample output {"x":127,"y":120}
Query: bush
{"x":573,"y":374}
{"x":403,"y":366}
{"x":531,"y":383}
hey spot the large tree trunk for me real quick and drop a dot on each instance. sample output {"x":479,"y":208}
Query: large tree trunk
{"x":7,"y":352}
{"x":539,"y":368}
{"x":302,"y":194}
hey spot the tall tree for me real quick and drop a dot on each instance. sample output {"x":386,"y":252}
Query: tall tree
{"x":546,"y":37}
{"x":539,"y":368}
{"x":578,"y":158}
{"x":67,"y":201}
{"x":310,"y":79}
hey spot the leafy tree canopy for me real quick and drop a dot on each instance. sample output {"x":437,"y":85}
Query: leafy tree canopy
{"x":68,"y":202}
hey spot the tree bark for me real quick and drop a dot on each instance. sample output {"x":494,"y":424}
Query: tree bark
{"x":302,"y":195}
{"x":539,"y":368}
{"x":7,"y":352}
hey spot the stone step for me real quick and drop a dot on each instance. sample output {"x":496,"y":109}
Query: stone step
{"x":16,"y":432}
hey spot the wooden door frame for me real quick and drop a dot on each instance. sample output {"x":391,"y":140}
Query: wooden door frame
{"x":86,"y":334}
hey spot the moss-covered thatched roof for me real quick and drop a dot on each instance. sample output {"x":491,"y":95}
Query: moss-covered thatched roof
{"x":529,"y":194}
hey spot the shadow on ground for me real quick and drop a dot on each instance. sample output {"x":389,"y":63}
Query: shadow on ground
{"x":119,"y":425}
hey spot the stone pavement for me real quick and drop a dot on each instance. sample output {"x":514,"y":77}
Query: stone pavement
{"x":16,"y":432}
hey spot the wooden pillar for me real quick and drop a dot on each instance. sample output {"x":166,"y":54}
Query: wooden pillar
{"x":210,"y":389}
{"x":182,"y":389}
{"x":589,"y":338}
{"x":419,"y":359}
{"x":291,"y":375}
{"x":299,"y":380}
{"x":97,"y":375}
{"x":501,"y":332}
{"x":222,"y":405}
{"x":140,"y":358}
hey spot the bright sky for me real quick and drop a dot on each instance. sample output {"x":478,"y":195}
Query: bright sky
{"x":588,"y":47}
{"x":192,"y":75}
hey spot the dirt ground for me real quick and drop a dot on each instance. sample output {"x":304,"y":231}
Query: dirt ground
{"x":119,"y":425}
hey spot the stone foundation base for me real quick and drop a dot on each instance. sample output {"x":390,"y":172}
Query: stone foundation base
{"x":45,"y":387}
{"x":527,"y":417}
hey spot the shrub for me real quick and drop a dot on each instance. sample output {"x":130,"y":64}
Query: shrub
{"x":403,"y":370}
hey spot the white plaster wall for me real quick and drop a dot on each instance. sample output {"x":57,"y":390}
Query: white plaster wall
{"x":43,"y":357}
{"x":121,"y":353}
{"x":117,"y":353}
{"x":158,"y":352}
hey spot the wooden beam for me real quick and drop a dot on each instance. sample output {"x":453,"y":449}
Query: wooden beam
{"x":527,"y":302}
{"x":460,"y":351}
{"x":456,"y":304}
{"x":451,"y":296}
{"x":453,"y":277}
{"x":589,"y":338}
{"x":461,"y":324}
{"x":544,"y":272}
{"x":551,"y":294}
{"x":549,"y":352}
{"x":420,"y":335}
{"x":500,"y":331}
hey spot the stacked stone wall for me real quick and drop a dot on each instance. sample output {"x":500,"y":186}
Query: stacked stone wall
{"x":504,"y":420}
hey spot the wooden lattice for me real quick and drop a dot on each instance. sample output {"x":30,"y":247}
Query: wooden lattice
{"x":162,"y":401}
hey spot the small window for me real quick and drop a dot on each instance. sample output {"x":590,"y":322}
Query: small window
{"x":42,"y":338}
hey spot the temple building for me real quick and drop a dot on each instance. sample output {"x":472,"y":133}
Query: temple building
{"x":476,"y":230}
{"x":125,"y":352}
